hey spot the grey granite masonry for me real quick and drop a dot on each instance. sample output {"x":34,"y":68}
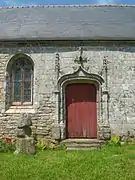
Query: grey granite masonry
{"x":111,"y":64}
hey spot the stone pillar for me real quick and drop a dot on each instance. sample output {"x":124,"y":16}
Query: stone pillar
{"x":104,"y":126}
{"x":56,"y":132}
{"x":105,"y":105}
{"x":62,"y":114}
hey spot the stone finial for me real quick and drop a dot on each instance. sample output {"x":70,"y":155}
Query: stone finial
{"x":81,"y":59}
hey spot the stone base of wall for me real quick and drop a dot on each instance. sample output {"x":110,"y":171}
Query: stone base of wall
{"x":56,"y":132}
{"x":104,"y":132}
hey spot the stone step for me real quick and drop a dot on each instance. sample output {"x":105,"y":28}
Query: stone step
{"x":83,"y":141}
{"x":81,"y":148}
{"x":82,"y":144}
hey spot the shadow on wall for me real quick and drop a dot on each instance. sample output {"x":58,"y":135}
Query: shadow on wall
{"x":66,"y":46}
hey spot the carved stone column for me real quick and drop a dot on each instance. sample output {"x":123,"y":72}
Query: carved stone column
{"x":56,"y":132}
{"x":104,"y":127}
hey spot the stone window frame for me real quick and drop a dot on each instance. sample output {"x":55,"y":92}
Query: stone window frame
{"x":9,"y":104}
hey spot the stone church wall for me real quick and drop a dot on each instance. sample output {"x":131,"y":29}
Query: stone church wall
{"x":119,"y":77}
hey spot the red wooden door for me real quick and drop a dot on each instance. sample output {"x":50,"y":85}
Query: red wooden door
{"x":81,"y":111}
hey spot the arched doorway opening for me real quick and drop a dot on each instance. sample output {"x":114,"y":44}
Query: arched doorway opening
{"x":81,"y":110}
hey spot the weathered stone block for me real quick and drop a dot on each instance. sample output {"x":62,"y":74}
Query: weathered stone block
{"x":24,"y":121}
{"x":25,"y":145}
{"x":56,"y":134}
{"x":104,"y":132}
{"x":28,"y":131}
{"x":20,"y":133}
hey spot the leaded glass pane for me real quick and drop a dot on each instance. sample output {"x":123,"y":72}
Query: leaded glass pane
{"x":17,"y":91}
{"x":27,"y":85}
{"x":17,"y":74}
{"x":27,"y":95}
{"x":27,"y":91}
{"x":22,"y":81}
{"x":17,"y":85}
{"x":27,"y":75}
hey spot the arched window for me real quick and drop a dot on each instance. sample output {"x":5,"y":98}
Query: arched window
{"x":20,"y":81}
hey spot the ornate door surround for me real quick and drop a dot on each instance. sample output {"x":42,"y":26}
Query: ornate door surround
{"x":79,"y":76}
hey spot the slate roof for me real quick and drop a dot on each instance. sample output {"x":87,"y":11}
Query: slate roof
{"x":82,"y":22}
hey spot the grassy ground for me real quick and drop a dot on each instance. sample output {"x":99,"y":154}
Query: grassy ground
{"x":110,"y":163}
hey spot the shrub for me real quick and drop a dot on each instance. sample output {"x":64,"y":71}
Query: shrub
{"x":7,"y":145}
{"x":44,"y":143}
{"x":41,"y":144}
{"x":115,"y":141}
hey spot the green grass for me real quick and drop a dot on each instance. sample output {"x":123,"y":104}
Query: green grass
{"x":109,"y":163}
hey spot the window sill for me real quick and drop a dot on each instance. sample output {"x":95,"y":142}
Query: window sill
{"x":20,"y":109}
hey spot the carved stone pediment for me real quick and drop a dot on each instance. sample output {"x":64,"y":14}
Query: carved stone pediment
{"x":80,"y":73}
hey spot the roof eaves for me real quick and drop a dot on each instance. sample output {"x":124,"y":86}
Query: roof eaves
{"x":70,"y":39}
{"x":68,"y":6}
